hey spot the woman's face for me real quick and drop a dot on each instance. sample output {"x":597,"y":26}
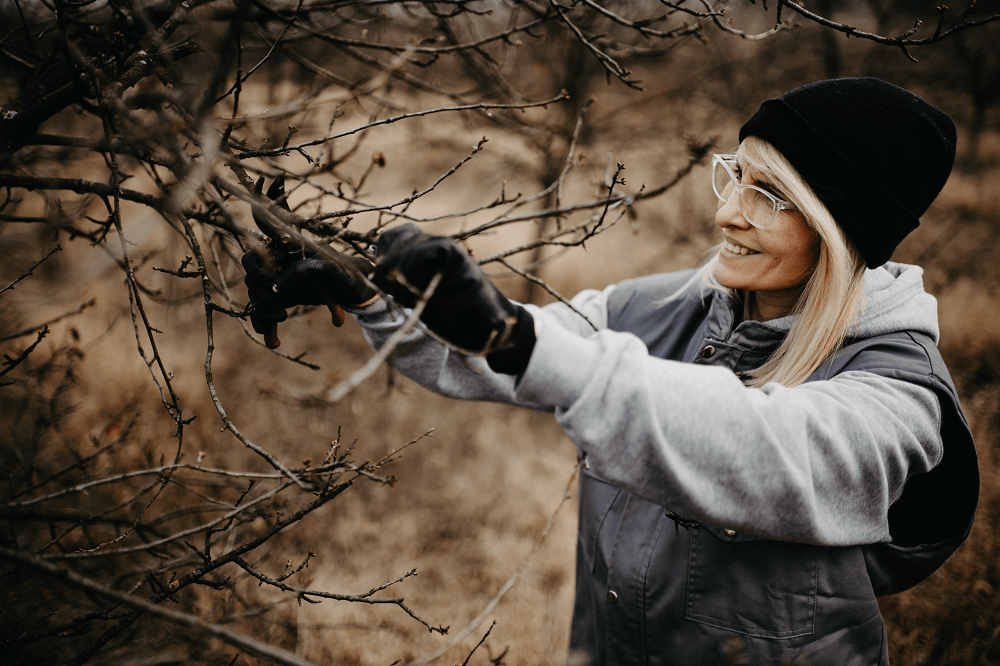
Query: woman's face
{"x":775,"y":263}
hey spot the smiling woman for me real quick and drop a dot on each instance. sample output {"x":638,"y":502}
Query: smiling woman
{"x":808,"y":263}
{"x":770,"y":262}
{"x":787,"y":399}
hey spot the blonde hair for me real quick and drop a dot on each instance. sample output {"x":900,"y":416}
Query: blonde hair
{"x":833,"y":296}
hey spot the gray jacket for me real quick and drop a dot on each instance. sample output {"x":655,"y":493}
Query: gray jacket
{"x":799,"y":504}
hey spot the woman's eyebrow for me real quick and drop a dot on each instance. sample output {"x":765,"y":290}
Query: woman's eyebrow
{"x":760,"y":180}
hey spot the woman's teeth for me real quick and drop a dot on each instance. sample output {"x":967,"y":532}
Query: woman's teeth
{"x":738,"y":249}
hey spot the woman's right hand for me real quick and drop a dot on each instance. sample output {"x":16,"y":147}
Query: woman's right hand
{"x":277,"y":282}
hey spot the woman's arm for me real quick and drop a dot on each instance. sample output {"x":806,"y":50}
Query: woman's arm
{"x":820,"y":463}
{"x":432,"y":365}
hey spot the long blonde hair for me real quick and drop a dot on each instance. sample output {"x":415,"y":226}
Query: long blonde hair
{"x":833,"y":296}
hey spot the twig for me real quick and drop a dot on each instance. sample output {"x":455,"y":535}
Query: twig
{"x":434,"y":51}
{"x":177,"y":536}
{"x":266,"y":57}
{"x":510,"y":581}
{"x":697,"y":153}
{"x":12,"y":363}
{"x":177,"y":617}
{"x":154,"y":471}
{"x":32,"y":329}
{"x":209,"y":379}
{"x":81,"y":186}
{"x":481,"y":641}
{"x":745,"y":35}
{"x":544,"y":285}
{"x":304,"y":594}
{"x":375,"y":362}
{"x":568,"y":163}
{"x":389,"y":121}
{"x":903,"y":41}
{"x":95,"y":517}
{"x":325,"y":496}
{"x":609,"y":63}
{"x":30,"y":271}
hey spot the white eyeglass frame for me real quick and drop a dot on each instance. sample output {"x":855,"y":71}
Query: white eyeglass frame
{"x":777,"y":205}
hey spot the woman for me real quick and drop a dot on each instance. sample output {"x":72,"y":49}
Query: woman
{"x":772,"y":439}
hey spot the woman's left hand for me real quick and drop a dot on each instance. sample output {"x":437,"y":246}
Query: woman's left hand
{"x":466,"y":309}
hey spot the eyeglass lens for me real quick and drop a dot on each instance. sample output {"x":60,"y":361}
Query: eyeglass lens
{"x":721,"y":180}
{"x":757,"y":208}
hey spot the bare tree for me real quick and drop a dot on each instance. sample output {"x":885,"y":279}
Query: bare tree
{"x":132,"y":115}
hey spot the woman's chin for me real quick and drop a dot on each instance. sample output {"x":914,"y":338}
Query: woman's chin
{"x":726,"y":278}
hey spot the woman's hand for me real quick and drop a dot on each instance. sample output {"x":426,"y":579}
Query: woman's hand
{"x":466,"y":309}
{"x":291,"y":271}
{"x":276,"y":283}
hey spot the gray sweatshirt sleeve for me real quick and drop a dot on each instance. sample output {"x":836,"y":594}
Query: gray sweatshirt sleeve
{"x":819,"y":463}
{"x":432,"y":365}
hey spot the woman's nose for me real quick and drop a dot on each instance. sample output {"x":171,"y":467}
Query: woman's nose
{"x":729,"y":213}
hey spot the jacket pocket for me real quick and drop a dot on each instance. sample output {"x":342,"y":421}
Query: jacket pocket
{"x":765,"y":589}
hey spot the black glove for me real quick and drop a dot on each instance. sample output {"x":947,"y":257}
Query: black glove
{"x":466,"y":309}
{"x":277,"y":282}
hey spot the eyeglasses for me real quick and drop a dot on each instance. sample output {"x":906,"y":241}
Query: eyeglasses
{"x":759,"y":207}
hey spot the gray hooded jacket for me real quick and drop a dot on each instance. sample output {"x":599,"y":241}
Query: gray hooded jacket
{"x":799,"y":504}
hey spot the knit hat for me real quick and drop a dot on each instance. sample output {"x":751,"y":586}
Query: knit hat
{"x":875,"y":154}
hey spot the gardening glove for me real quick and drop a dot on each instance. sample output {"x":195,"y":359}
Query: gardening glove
{"x":279,"y":277}
{"x":274,"y":285}
{"x":466,"y":309}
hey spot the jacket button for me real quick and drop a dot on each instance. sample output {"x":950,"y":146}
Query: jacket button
{"x":612,"y":597}
{"x":708,"y":351}
{"x":729,"y":532}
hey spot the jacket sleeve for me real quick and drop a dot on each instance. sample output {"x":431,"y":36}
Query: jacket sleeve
{"x":432,"y":365}
{"x":819,"y":463}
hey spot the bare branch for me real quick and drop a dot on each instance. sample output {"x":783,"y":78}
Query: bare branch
{"x":727,"y":27}
{"x":179,"y":618}
{"x":11,"y":363}
{"x":30,"y":271}
{"x":544,"y":285}
{"x":469,"y":628}
{"x":305,"y":594}
{"x":375,"y":362}
{"x":207,"y":291}
{"x":606,"y":61}
{"x":903,"y":41}
{"x":32,"y":329}
{"x":394,"y":119}
{"x":481,"y":641}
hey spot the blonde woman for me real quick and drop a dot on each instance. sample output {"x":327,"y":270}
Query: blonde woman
{"x":773,"y":439}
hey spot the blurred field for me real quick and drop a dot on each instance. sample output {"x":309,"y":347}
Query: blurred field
{"x":471,"y":499}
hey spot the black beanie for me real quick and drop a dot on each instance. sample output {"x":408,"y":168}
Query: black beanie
{"x":875,"y":154}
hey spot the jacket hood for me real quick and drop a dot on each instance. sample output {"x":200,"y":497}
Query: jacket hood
{"x":895,"y":301}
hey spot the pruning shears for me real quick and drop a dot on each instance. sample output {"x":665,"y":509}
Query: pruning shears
{"x":285,"y":247}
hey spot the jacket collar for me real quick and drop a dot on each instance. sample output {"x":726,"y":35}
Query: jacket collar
{"x":763,"y":337}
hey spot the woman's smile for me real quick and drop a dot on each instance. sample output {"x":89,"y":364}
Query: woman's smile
{"x":736,"y":249}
